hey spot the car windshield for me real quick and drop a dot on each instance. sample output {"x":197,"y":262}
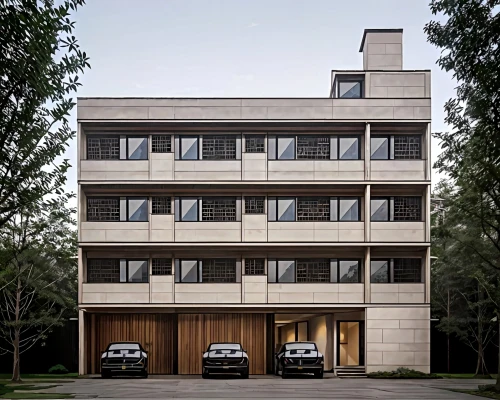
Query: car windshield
{"x":124,"y":346}
{"x":300,"y":346}
{"x":225,"y":346}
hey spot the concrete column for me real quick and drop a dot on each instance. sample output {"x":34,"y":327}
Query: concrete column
{"x":427,"y":214}
{"x":428,"y":163}
{"x":367,"y":215}
{"x":80,"y":275}
{"x":427,"y":274}
{"x":81,"y":344}
{"x":367,"y":275}
{"x":367,"y":153}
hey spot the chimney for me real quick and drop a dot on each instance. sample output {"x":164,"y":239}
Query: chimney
{"x":382,"y":49}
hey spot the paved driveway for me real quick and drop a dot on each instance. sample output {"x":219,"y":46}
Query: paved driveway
{"x":268,"y":387}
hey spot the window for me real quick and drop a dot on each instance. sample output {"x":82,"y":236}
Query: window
{"x":106,"y":270}
{"x":254,"y":204}
{"x":255,"y":143}
{"x":161,"y":143}
{"x":161,"y":205}
{"x":188,"y":209}
{"x":349,"y":148}
{"x":217,"y":270}
{"x":314,"y":270}
{"x":285,"y":148}
{"x":313,"y":209}
{"x":134,"y":271}
{"x":117,"y":209}
{"x":219,"y":147}
{"x":396,"y":147}
{"x":398,"y":208}
{"x":119,"y":147}
{"x":103,"y":148}
{"x":350,"y":88}
{"x":188,"y":148}
{"x":255,"y":266}
{"x":396,"y":270}
{"x":313,"y":147}
{"x":218,"y":209}
{"x":103,"y":209}
{"x":161,"y":266}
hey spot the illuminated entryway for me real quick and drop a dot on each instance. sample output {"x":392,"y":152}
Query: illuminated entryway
{"x":350,"y":343}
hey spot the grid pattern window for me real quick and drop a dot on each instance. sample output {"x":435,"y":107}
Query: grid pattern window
{"x":313,"y":209}
{"x":313,"y":270}
{"x":218,"y":209}
{"x":313,"y":147}
{"x":407,"y":147}
{"x":407,"y":270}
{"x":219,"y":147}
{"x":161,"y":266}
{"x":218,"y":270}
{"x":103,"y":209}
{"x":106,"y":270}
{"x":103,"y":148}
{"x":161,"y":205}
{"x":255,"y":143}
{"x":255,"y":266}
{"x":161,"y":144}
{"x":254,"y":204}
{"x":407,"y":208}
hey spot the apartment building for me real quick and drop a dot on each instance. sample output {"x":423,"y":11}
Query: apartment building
{"x":261,"y":220}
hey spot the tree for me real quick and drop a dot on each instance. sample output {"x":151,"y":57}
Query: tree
{"x":38,"y":253}
{"x":39,"y":65}
{"x":471,"y":151}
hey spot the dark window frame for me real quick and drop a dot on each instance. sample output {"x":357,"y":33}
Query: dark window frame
{"x":388,"y":261}
{"x":263,"y":137}
{"x":235,"y":136}
{"x":88,"y":273}
{"x":127,"y":198}
{"x":171,"y":149}
{"x":255,"y":199}
{"x":170,"y":210}
{"x":92,"y":136}
{"x":199,"y":270}
{"x":197,"y":137}
{"x":301,"y":157}
{"x":390,"y":272}
{"x":250,"y":268}
{"x":127,"y":268}
{"x":202,"y":199}
{"x":119,"y":260}
{"x":349,"y":78}
{"x":156,"y":269}
{"x":391,"y":144}
{"x":128,"y":207}
{"x":390,"y":214}
{"x":197,"y":208}
{"x":127,"y":137}
{"x":119,"y":136}
{"x":90,"y":198}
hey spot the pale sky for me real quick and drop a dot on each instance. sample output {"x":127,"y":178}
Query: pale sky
{"x":242,"y":48}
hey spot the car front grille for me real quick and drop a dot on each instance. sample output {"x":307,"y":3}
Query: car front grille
{"x":224,"y":361}
{"x":120,"y":361}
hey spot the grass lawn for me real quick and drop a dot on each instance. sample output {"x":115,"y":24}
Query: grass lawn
{"x":461,"y":376}
{"x":9,"y":391}
{"x":71,"y":375}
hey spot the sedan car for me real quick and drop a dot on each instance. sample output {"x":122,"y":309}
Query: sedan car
{"x":122,"y":358}
{"x":225,"y":358}
{"x":299,"y":357}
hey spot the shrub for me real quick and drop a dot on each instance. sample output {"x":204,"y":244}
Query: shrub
{"x":58,"y":369}
{"x":402,"y":373}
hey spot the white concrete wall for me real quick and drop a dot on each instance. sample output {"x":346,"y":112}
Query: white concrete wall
{"x":162,"y":287}
{"x":254,"y":227}
{"x":162,"y":166}
{"x":162,"y":228}
{"x":320,"y":332}
{"x":398,"y":231}
{"x":310,"y":293}
{"x":287,"y":333}
{"x":315,"y":170}
{"x":115,"y":293}
{"x":383,"y":51}
{"x":114,"y":231}
{"x":398,"y":85}
{"x":321,"y":231}
{"x":254,"y":288}
{"x":254,"y":166}
{"x":394,"y":293}
{"x":114,"y":170}
{"x":208,"y":231}
{"x":207,"y":170}
{"x":397,"y":170}
{"x":213,"y":293}
{"x":246,"y":109}
{"x":398,"y":337}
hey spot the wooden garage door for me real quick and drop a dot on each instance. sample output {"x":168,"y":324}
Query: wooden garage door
{"x":197,"y":331}
{"x":153,"y":331}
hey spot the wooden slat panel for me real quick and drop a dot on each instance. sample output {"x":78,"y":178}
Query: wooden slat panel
{"x":197,"y":331}
{"x":153,"y":331}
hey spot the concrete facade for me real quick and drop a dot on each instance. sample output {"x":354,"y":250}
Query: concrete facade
{"x":138,"y":255}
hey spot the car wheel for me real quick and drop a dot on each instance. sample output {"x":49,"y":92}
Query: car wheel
{"x":204,"y":375}
{"x":245,"y":374}
{"x":105,"y":374}
{"x":319,"y":375}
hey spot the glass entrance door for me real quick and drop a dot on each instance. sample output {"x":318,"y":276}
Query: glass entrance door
{"x":350,"y":343}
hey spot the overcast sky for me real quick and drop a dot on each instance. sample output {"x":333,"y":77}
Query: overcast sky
{"x":242,"y":48}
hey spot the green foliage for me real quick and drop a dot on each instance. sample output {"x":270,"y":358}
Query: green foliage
{"x":402,"y":373}
{"x":58,"y":369}
{"x":40,"y":63}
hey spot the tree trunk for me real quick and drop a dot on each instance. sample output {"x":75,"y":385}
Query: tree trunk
{"x":16,"y":371}
{"x":497,"y":383}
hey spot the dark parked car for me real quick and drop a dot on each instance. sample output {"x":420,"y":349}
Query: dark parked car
{"x":122,"y":358}
{"x":299,"y":357}
{"x":225,"y":358}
